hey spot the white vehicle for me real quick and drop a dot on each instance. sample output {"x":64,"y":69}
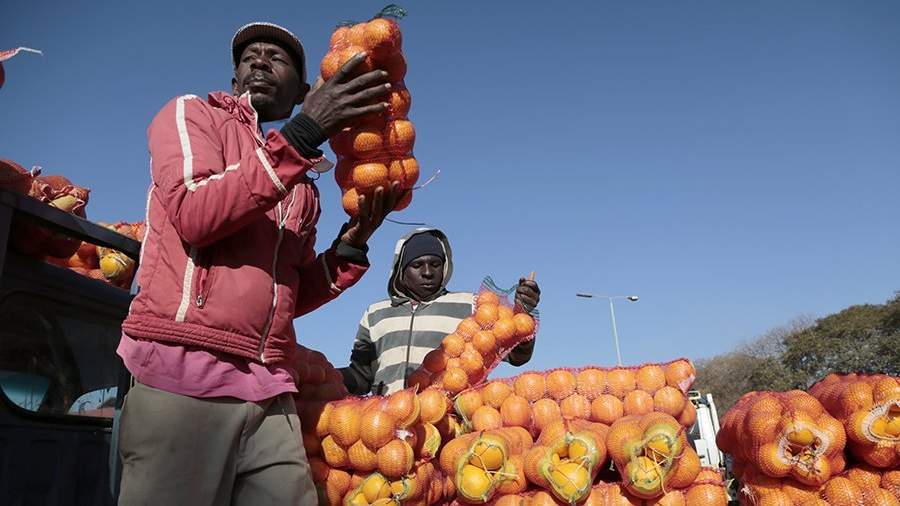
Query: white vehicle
{"x":703,"y":434}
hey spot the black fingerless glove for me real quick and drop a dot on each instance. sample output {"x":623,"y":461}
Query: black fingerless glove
{"x":305,"y":135}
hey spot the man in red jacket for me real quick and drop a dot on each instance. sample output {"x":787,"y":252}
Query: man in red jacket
{"x":227,"y":264}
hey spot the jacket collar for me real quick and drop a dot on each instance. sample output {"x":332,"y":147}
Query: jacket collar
{"x":240,"y":107}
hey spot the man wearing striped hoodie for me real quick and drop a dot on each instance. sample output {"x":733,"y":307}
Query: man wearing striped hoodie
{"x":395,"y":334}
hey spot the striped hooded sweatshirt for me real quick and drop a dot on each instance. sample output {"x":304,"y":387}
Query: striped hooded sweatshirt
{"x":395,"y":334}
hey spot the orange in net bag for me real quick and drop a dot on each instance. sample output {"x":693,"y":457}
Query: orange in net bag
{"x":378,"y":150}
{"x":535,"y":399}
{"x":486,"y":463}
{"x":784,"y":434}
{"x":567,"y":457}
{"x":423,"y":485}
{"x":869,"y":408}
{"x":479,"y":343}
{"x":652,"y":454}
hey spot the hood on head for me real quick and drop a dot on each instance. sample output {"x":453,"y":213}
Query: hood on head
{"x":397,"y":296}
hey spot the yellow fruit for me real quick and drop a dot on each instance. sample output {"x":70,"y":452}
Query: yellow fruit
{"x":570,"y":481}
{"x":474,"y":484}
{"x":375,"y":487}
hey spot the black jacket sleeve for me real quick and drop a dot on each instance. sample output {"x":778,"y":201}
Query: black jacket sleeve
{"x":360,"y":374}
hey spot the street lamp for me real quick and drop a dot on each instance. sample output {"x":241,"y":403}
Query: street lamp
{"x":612,"y":314}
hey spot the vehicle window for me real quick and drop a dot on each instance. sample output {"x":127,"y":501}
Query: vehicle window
{"x":57,"y":359}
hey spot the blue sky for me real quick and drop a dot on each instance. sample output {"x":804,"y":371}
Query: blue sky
{"x":733,"y":163}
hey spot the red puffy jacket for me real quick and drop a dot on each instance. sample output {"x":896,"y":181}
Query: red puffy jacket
{"x":227,"y":261}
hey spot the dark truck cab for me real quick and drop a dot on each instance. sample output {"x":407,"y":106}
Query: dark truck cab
{"x":61,"y":382}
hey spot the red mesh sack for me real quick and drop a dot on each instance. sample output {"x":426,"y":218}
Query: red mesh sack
{"x":784,"y":435}
{"x":378,"y":150}
{"x":483,"y":464}
{"x":652,"y":454}
{"x":30,"y":238}
{"x":869,"y":408}
{"x":479,"y":343}
{"x":535,"y":399}
{"x":15,"y":178}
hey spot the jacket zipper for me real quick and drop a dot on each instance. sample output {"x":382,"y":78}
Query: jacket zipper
{"x":412,"y":319}
{"x":282,"y":219}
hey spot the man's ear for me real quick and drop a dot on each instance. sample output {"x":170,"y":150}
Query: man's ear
{"x":234,"y":86}
{"x":301,"y":95}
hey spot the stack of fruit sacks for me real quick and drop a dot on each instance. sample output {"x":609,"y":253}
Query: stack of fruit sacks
{"x":481,"y":465}
{"x":860,"y":485}
{"x":105,"y":264}
{"x":378,"y":150}
{"x":478,"y":344}
{"x":652,"y":454}
{"x":534,"y":399}
{"x":567,"y":457}
{"x":392,"y":436}
{"x":783,"y":435}
{"x":869,"y":408}
{"x":32,"y":239}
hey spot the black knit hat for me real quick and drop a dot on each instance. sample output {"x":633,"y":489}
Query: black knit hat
{"x":420,"y":245}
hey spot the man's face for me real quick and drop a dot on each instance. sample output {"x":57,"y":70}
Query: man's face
{"x":269,"y":73}
{"x":423,"y":276}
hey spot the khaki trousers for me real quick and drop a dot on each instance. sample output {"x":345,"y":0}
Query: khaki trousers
{"x":179,"y":450}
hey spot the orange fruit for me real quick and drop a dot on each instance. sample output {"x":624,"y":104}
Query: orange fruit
{"x":706,"y":495}
{"x":433,"y":405}
{"x":840,"y":491}
{"x":530,"y":385}
{"x":885,"y":389}
{"x":362,"y":458}
{"x":356,"y":36}
{"x":505,"y":312}
{"x":487,"y":297}
{"x":671,"y":498}
{"x":770,"y":461}
{"x":799,"y":493}
{"x":504,"y":330}
{"x":336,"y":485}
{"x":382,"y":37}
{"x":453,"y":345}
{"x":455,"y":380}
{"x":364,"y":142}
{"x":619,"y":382}
{"x":484,"y":342}
{"x":343,"y":423}
{"x":400,"y":136}
{"x":321,"y":414}
{"x":545,"y":411}
{"x":650,"y":378}
{"x":472,"y":363}
{"x":486,"y":418}
{"x":368,"y":176}
{"x":524,"y":325}
{"x":435,"y":360}
{"x":334,"y":454}
{"x":350,"y":202}
{"x":680,"y":374}
{"x":494,"y":393}
{"x":638,"y":402}
{"x":514,"y":481}
{"x":688,"y":416}
{"x":377,"y":428}
{"x":420,"y":379}
{"x":467,"y":403}
{"x":404,"y":407}
{"x":395,"y":66}
{"x":339,"y":36}
{"x":395,"y":459}
{"x":486,"y":315}
{"x":685,"y":471}
{"x":560,"y":384}
{"x":775,"y":498}
{"x":467,"y":328}
{"x":515,"y":412}
{"x":607,"y":409}
{"x":404,"y":171}
{"x":879,"y":497}
{"x":890,"y":481}
{"x":669,"y":400}
{"x":335,"y":59}
{"x":591,"y":383}
{"x":575,"y":406}
{"x":474,"y":484}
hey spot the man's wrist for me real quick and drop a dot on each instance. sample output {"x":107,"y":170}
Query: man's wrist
{"x":352,"y":253}
{"x":305,"y":135}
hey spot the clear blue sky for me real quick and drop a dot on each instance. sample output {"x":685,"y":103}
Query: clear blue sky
{"x":733,"y":163}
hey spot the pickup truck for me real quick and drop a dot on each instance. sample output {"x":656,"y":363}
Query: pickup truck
{"x":61,"y":382}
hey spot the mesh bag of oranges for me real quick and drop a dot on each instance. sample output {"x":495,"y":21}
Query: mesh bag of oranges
{"x":423,"y":485}
{"x":784,"y":434}
{"x":376,"y":151}
{"x":869,"y":408}
{"x":536,"y":399}
{"x":567,"y":457}
{"x":859,"y":485}
{"x":32,"y":239}
{"x":478,"y":344}
{"x":483,"y":464}
{"x":652,"y":454}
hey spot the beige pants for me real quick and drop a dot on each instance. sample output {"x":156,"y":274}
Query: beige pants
{"x":179,"y":450}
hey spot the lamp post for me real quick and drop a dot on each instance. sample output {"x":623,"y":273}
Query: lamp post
{"x":612,"y":315}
